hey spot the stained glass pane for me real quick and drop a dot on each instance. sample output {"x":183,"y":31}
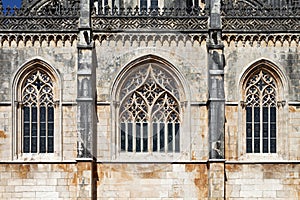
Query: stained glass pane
{"x":256,"y":114}
{"x":42,"y":144}
{"x":249,"y":114}
{"x":130,"y":137}
{"x":138,"y":137}
{"x":256,"y":145}
{"x":162,"y":137}
{"x":145,"y":137}
{"x":155,"y":131}
{"x":26,"y":147}
{"x":170,"y":137}
{"x":265,"y":146}
{"x":248,"y":130}
{"x":273,"y":114}
{"x":123,"y":137}
{"x":34,"y":144}
{"x":249,"y":146}
{"x":177,"y":137}
{"x":273,"y":146}
{"x":265,"y":114}
{"x":50,"y":145}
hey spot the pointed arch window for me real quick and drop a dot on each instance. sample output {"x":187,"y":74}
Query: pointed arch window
{"x":37,"y":113}
{"x":149,"y":114}
{"x":261,"y":113}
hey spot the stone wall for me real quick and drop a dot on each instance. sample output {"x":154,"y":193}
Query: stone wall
{"x":262,"y":181}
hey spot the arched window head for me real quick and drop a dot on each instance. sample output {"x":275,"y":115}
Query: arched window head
{"x":261,"y":112}
{"x":37,"y":113}
{"x":149,"y":113}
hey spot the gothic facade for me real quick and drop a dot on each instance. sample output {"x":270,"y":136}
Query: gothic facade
{"x":150,"y":99}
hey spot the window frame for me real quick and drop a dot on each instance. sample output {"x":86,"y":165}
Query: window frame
{"x":117,"y":154}
{"x":19,"y":79}
{"x":280,"y":78}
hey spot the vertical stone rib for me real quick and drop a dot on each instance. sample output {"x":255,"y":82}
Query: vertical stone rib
{"x":216,"y":83}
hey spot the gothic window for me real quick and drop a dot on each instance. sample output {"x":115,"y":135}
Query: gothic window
{"x":149,"y":113}
{"x":37,"y":113}
{"x":261,"y":113}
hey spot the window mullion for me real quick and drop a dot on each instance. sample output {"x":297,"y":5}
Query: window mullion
{"x":38,"y":134}
{"x":30,"y":129}
{"x":253,"y":128}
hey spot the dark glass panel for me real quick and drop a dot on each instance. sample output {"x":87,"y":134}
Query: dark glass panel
{"x":273,"y":130}
{"x":265,"y":130}
{"x":50,"y":129}
{"x":123,"y":136}
{"x":256,"y":114}
{"x":265,"y":146}
{"x":256,"y":146}
{"x":42,"y":129}
{"x":273,"y":114}
{"x":145,"y":137}
{"x":249,"y":130}
{"x":143,"y":3}
{"x":177,"y":137}
{"x":34,"y":129}
{"x":42,"y":114}
{"x":33,"y":114}
{"x":265,"y":114}
{"x":50,"y":114}
{"x":33,"y":144}
{"x":50,"y":145}
{"x":162,"y":137}
{"x":155,"y":127}
{"x":130,"y":137}
{"x":26,"y":147}
{"x":249,"y":146}
{"x":26,"y":113}
{"x":257,"y":130}
{"x":273,"y":146}
{"x":154,"y":4}
{"x":170,"y":137}
{"x":26,"y":129}
{"x":138,"y":137}
{"x":249,"y":114}
{"x":42,"y":145}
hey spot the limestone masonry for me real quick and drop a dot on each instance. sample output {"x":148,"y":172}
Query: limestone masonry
{"x":150,"y":99}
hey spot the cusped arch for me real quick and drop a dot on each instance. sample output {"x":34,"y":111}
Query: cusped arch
{"x":36,"y":92}
{"x":158,"y":62}
{"x":270,"y":67}
{"x":34,"y":64}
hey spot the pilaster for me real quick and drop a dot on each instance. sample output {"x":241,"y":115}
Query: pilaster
{"x":86,"y":106}
{"x":216,"y":103}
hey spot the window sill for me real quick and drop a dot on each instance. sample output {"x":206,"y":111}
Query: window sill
{"x":260,"y":157}
{"x":150,"y":157}
{"x":37,"y":157}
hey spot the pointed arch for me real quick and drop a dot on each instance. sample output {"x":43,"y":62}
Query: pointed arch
{"x":149,"y":94}
{"x":263,"y":85}
{"x":36,"y":110}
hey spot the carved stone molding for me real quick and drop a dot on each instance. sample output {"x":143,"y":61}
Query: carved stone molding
{"x":257,"y":40}
{"x":134,"y":24}
{"x":19,"y":40}
{"x":257,"y":24}
{"x":146,"y":39}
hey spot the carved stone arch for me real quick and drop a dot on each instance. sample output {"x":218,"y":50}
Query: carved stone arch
{"x":148,"y":59}
{"x":50,"y":78}
{"x":263,"y":88}
{"x":150,"y":96}
{"x":273,"y":69}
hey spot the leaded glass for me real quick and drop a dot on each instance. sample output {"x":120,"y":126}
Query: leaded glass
{"x":150,"y":102}
{"x":261,"y":113}
{"x":38,"y":113}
